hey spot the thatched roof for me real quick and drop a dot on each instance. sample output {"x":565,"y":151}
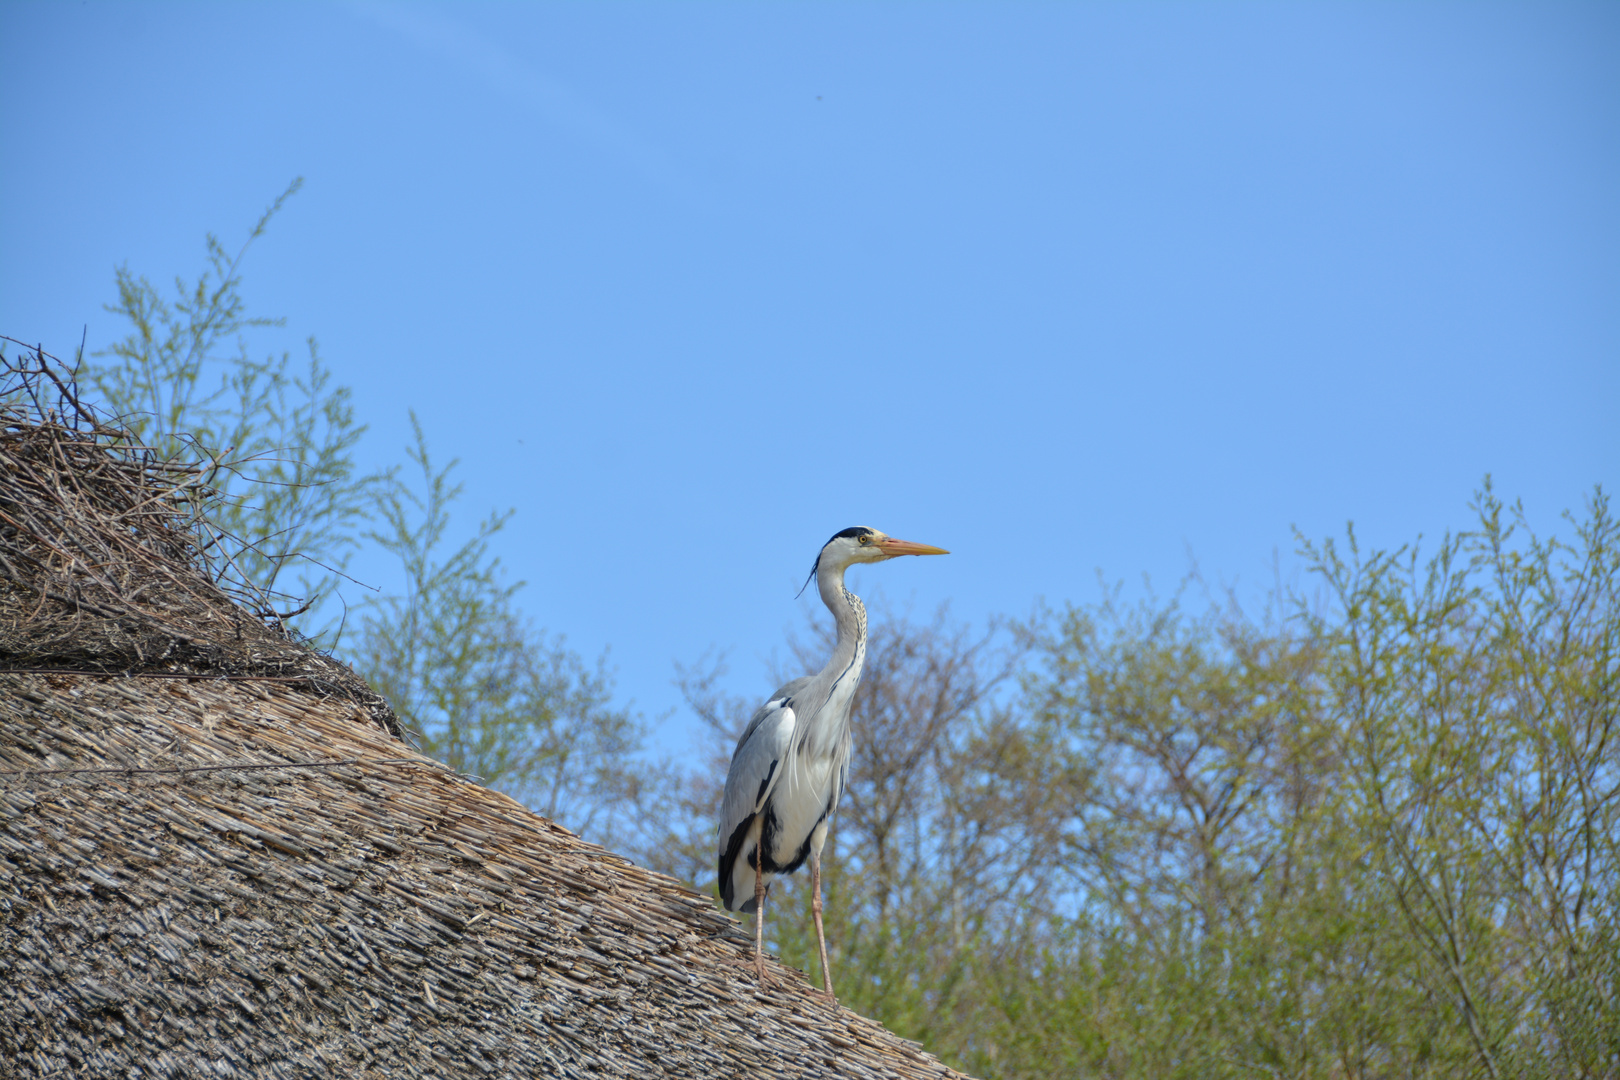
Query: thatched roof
{"x":218,"y":858}
{"x":109,"y":562}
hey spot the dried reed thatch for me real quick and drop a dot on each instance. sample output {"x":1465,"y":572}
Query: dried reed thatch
{"x":105,"y":556}
{"x":218,"y":858}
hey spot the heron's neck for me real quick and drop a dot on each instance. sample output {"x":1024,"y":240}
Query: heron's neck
{"x":848,"y":613}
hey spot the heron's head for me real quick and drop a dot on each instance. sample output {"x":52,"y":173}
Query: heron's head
{"x":860,"y":544}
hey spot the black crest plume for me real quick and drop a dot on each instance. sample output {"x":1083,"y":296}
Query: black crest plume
{"x":852,"y":531}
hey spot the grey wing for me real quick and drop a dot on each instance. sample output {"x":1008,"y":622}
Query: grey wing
{"x":755,"y":769}
{"x":782,"y":697}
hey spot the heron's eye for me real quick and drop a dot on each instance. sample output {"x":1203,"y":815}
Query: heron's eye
{"x":866,"y":540}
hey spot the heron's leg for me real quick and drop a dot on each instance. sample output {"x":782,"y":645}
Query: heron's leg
{"x":815,"y":909}
{"x":759,"y":914}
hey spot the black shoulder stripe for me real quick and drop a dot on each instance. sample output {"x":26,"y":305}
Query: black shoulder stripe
{"x":765,"y":783}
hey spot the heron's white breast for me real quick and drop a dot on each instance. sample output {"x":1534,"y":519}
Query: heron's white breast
{"x":799,"y":801}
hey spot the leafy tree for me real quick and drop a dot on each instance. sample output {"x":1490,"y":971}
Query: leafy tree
{"x":277,"y":439}
{"x":1376,"y":840}
{"x":1195,"y":850}
{"x":486,"y":692}
{"x":1478,"y":695}
{"x":488,"y":695}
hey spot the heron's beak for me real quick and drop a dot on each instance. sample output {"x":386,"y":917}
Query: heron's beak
{"x":890,"y":546}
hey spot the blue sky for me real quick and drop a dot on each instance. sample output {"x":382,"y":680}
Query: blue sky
{"x":1063,"y":288}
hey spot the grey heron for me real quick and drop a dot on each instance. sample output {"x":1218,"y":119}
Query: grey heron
{"x":792,"y":762}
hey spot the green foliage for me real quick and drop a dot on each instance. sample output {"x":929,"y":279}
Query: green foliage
{"x":462,"y":667}
{"x":489,"y":694}
{"x":277,"y":439}
{"x":1479,"y":696}
{"x":1379,"y":840}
